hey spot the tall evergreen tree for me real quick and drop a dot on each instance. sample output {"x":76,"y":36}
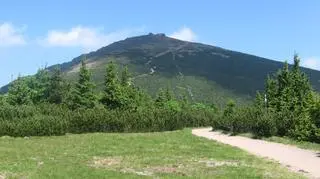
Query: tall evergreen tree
{"x":19,"y":92}
{"x":271,"y":92}
{"x":283,"y":77}
{"x":259,"y":100}
{"x":57,"y":88}
{"x":290,"y":95}
{"x":82,"y":95}
{"x":169,"y":94}
{"x":296,"y":63}
{"x":301,"y":87}
{"x":230,"y":108}
{"x":112,"y":91}
{"x":125,"y":77}
{"x":41,"y":86}
{"x":165,"y":98}
{"x":161,"y":97}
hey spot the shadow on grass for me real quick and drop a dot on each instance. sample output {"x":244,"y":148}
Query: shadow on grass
{"x":230,"y":133}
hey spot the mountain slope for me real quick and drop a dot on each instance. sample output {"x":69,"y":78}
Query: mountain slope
{"x":202,"y":72}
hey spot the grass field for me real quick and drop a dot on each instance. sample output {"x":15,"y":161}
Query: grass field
{"x":151,"y":155}
{"x":288,"y":141}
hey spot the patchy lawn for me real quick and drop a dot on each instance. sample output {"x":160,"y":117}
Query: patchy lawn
{"x":288,"y":141}
{"x":176,"y":154}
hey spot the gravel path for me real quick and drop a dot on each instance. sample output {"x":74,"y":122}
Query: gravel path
{"x":296,"y":159}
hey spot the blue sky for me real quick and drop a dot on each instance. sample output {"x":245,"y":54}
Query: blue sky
{"x":35,"y":33}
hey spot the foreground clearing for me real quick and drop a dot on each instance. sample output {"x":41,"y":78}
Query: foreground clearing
{"x":288,"y":141}
{"x":299,"y":160}
{"x":176,"y":154}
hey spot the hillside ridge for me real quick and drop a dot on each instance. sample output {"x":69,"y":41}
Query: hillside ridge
{"x":205,"y":70}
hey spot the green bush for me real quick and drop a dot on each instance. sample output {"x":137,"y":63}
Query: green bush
{"x":246,"y":119}
{"x":265,"y":125}
{"x":304,"y":129}
{"x":50,"y":119}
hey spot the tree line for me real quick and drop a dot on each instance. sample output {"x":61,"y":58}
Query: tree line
{"x":288,"y":107}
{"x":46,"y":104}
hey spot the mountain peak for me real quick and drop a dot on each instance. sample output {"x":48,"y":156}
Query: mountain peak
{"x":157,"y":35}
{"x":200,"y":70}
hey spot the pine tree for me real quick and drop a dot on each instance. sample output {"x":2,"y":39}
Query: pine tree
{"x":301,"y":88}
{"x":41,"y":86}
{"x":112,"y":90}
{"x":284,"y":94}
{"x":185,"y":100}
{"x":125,"y":77}
{"x":19,"y":93}
{"x":57,"y":88}
{"x":283,"y":77}
{"x":259,"y":101}
{"x":161,"y":97}
{"x":271,"y":92}
{"x":230,"y":108}
{"x":290,"y":95}
{"x":296,"y":63}
{"x":166,"y":99}
{"x":169,"y":94}
{"x":82,"y":95}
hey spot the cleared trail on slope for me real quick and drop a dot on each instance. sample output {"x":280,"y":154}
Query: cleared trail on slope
{"x":296,"y":159}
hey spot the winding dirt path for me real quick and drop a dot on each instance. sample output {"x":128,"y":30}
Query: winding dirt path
{"x":296,"y":159}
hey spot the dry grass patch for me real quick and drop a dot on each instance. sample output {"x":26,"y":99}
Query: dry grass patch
{"x":183,"y":168}
{"x":106,"y":162}
{"x":214,"y":163}
{"x":163,"y":169}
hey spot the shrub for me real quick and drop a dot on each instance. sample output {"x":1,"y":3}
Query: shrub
{"x":50,"y":119}
{"x":304,"y":129}
{"x":265,"y":125}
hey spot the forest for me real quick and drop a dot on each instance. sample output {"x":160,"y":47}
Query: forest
{"x":46,"y":104}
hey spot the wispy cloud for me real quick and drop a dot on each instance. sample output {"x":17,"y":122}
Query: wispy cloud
{"x":313,"y":63}
{"x":184,"y":33}
{"x":11,"y":35}
{"x":86,"y":37}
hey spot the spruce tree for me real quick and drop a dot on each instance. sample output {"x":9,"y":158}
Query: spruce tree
{"x":271,"y":92}
{"x":161,"y":97}
{"x":290,"y":95}
{"x":112,"y":90}
{"x":19,"y":92}
{"x":169,"y":94}
{"x":259,"y":101}
{"x":301,"y":88}
{"x":82,"y":95}
{"x":230,"y":108}
{"x":41,"y":86}
{"x":56,"y":90}
{"x":125,"y":77}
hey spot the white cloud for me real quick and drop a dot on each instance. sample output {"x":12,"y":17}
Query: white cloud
{"x":313,"y":63}
{"x":86,"y":37}
{"x":184,"y":33}
{"x":10,"y":35}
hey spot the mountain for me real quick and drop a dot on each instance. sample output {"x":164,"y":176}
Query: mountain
{"x":202,"y":72}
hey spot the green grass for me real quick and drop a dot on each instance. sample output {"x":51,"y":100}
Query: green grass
{"x":288,"y":141}
{"x":176,"y":154}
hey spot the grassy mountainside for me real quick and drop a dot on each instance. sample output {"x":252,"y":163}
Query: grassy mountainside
{"x":203,"y":72}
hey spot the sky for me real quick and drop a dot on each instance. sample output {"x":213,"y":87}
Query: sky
{"x":36,"y":33}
